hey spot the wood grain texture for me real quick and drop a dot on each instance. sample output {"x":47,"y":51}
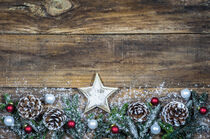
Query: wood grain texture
{"x":179,"y":60}
{"x":104,"y":17}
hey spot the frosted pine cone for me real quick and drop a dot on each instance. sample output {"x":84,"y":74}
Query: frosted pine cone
{"x":138,"y":111}
{"x":54,"y":118}
{"x":175,"y":113}
{"x":29,"y":107}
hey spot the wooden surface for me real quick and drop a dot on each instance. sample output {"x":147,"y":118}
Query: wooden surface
{"x":121,"y":60}
{"x":104,"y":16}
{"x":135,"y":45}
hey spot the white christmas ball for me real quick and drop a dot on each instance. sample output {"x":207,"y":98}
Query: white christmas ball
{"x":49,"y":98}
{"x":185,"y":93}
{"x":9,"y":121}
{"x":92,"y":124}
{"x":155,"y":128}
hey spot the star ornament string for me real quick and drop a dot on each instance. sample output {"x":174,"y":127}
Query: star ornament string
{"x":97,"y":95}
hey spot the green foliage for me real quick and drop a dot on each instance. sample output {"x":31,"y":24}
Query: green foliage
{"x":2,"y":106}
{"x":71,"y":109}
{"x":7,"y":99}
{"x":144,"y":128}
{"x":167,"y":128}
{"x":119,"y":117}
{"x":116,"y":117}
{"x":39,"y":132}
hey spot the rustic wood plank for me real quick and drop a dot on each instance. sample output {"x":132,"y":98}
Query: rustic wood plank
{"x":179,"y":60}
{"x":104,"y":17}
{"x":124,"y":95}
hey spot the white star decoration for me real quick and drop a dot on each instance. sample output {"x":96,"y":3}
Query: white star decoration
{"x":97,"y":95}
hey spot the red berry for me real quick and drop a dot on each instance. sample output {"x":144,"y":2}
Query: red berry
{"x":28,"y":129}
{"x":10,"y":108}
{"x":71,"y":124}
{"x":154,"y":101}
{"x":115,"y":129}
{"x":203,"y":110}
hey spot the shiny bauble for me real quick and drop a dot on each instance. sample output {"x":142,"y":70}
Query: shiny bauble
{"x":185,"y":93}
{"x":154,"y":101}
{"x":49,"y":98}
{"x":9,"y":121}
{"x":28,"y":129}
{"x":92,"y":124}
{"x":10,"y":108}
{"x":71,"y":124}
{"x":203,"y":110}
{"x":115,"y":129}
{"x":155,"y":128}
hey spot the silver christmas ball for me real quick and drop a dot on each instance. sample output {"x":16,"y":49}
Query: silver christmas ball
{"x":92,"y":124}
{"x":9,"y":121}
{"x":49,"y":99}
{"x":155,"y":128}
{"x":185,"y":93}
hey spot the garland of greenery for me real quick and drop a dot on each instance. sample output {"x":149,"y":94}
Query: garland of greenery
{"x":118,"y":117}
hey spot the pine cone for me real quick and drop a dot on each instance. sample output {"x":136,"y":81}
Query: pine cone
{"x":175,"y":113}
{"x":29,"y":107}
{"x":138,"y":111}
{"x":54,"y":118}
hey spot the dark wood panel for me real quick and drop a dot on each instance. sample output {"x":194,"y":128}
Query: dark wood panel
{"x":104,"y":17}
{"x":121,"y":60}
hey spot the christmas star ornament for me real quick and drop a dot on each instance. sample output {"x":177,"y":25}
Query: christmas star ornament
{"x":97,"y":95}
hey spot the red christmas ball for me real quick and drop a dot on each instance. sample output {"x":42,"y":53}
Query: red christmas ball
{"x":203,"y":110}
{"x":71,"y":124}
{"x":154,"y":101}
{"x":115,"y":129}
{"x":10,"y":108}
{"x":28,"y":129}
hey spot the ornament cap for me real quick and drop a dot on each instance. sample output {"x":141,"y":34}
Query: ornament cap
{"x":11,"y":103}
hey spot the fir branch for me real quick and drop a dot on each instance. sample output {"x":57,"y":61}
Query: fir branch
{"x":2,"y":106}
{"x":7,"y":98}
{"x":203,"y":98}
{"x":71,"y":109}
{"x":167,"y":128}
{"x":132,"y":128}
{"x":124,"y":108}
{"x":57,"y":134}
{"x":152,"y":117}
{"x":116,"y":117}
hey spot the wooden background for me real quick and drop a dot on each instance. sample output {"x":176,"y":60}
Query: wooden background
{"x":130,"y":43}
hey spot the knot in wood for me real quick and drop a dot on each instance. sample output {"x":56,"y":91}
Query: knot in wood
{"x":57,"y":7}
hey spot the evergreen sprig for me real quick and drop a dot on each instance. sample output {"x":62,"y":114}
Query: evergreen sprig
{"x":71,"y":109}
{"x":119,"y":117}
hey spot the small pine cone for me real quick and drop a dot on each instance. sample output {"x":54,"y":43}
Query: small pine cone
{"x":175,"y":113}
{"x":138,"y":111}
{"x":54,"y":118}
{"x":29,"y":107}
